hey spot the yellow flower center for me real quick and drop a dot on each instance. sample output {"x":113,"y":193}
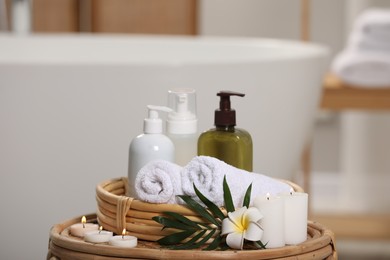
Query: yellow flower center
{"x":242,"y":225}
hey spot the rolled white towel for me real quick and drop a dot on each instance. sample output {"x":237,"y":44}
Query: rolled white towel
{"x":374,"y":23}
{"x":207,"y":174}
{"x":363,"y":69}
{"x":159,"y":182}
{"x":362,"y":43}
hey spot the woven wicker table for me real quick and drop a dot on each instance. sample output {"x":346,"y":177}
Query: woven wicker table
{"x":63,"y":246}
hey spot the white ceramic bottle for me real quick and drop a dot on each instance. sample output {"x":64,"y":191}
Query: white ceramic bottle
{"x":182,"y":124}
{"x":149,"y":146}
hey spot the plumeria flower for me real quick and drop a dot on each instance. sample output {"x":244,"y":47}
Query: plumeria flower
{"x":242,"y":224}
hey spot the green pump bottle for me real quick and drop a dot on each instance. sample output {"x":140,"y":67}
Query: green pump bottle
{"x":226,"y":142}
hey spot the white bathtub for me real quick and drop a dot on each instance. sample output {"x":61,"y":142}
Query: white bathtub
{"x":69,"y":106}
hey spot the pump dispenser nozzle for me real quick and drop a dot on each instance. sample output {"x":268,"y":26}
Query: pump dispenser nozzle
{"x":225,"y":116}
{"x":182,"y":119}
{"x":153,"y":124}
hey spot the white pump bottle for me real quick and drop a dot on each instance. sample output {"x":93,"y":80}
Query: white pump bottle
{"x":149,"y":146}
{"x":182,"y":124}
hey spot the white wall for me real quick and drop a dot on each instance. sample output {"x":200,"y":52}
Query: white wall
{"x":250,"y":18}
{"x":273,"y":19}
{"x":365,"y":145}
{"x":346,"y":146}
{"x":282,"y":19}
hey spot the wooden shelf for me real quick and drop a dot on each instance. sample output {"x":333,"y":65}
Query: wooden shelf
{"x":338,"y":95}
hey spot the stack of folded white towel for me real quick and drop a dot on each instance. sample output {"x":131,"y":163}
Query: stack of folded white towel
{"x":161,"y":181}
{"x":365,"y":61}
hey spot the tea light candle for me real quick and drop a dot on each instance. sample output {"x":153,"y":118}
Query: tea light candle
{"x":123,"y":240}
{"x":272,"y":222}
{"x":80,"y":229}
{"x":100,"y":236}
{"x":296,"y":210}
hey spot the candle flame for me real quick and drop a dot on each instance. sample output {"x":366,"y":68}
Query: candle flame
{"x":123,"y":233}
{"x":83,"y":221}
{"x":291,"y":191}
{"x":268,"y":195}
{"x":100,"y":229}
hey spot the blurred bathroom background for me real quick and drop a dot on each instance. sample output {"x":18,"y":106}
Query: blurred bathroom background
{"x":349,"y":151}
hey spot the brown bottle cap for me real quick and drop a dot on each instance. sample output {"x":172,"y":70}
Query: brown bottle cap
{"x":225,"y":115}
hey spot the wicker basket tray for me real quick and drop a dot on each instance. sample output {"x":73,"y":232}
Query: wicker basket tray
{"x":63,"y":246}
{"x":116,"y":211}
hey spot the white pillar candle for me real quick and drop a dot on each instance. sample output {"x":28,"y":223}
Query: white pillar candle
{"x":98,"y":236}
{"x":295,"y":217}
{"x":272,"y":222}
{"x":123,"y":240}
{"x":80,"y":229}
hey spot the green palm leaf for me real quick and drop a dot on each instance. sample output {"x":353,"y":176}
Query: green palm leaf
{"x":203,"y":241}
{"x":210,"y":205}
{"x":199,"y":209}
{"x":183,"y":219}
{"x":175,"y":238}
{"x":214,"y":244}
{"x":170,"y":223}
{"x":207,"y":237}
{"x":227,"y":196}
{"x":190,"y":244}
{"x":247,"y":198}
{"x":260,"y":244}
